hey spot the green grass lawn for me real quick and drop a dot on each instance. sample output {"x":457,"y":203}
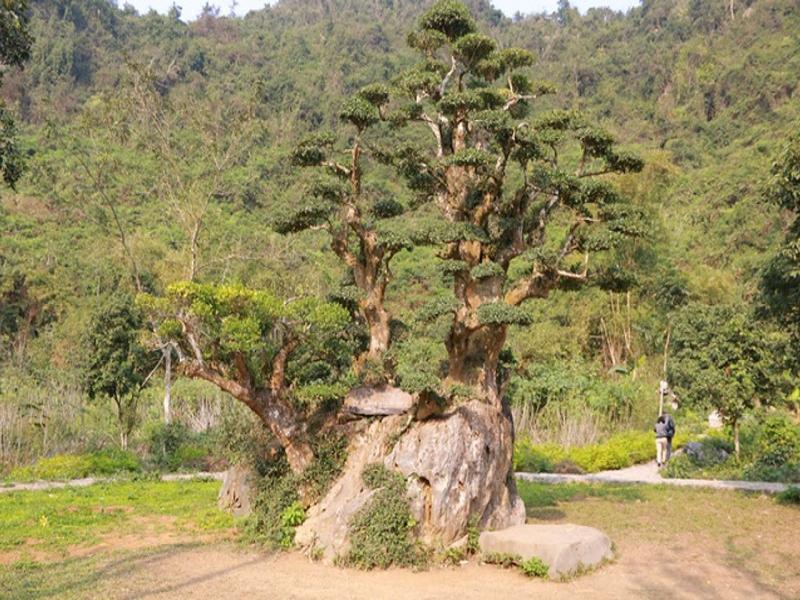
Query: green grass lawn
{"x":54,"y":520}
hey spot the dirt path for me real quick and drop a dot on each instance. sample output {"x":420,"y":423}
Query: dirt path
{"x":676,"y":572}
{"x":649,"y":473}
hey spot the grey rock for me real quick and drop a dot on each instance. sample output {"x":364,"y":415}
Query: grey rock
{"x":705,"y":454}
{"x":387,"y":400}
{"x":565,"y":549}
{"x":236,"y":494}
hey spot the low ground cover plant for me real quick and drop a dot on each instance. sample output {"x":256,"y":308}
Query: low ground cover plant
{"x":619,"y":451}
{"x":76,"y":466}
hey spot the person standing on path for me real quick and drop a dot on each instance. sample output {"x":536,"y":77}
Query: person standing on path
{"x":661,"y":440}
{"x":670,"y":433}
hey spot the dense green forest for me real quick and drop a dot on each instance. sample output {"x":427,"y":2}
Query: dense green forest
{"x":159,"y":151}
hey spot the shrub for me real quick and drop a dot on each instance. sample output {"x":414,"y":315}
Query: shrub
{"x":276,"y":509}
{"x":534,"y":567}
{"x":619,"y":451}
{"x":76,"y":466}
{"x":381,"y":532}
{"x":778,"y":441}
{"x":790,"y":496}
{"x":173,"y":446}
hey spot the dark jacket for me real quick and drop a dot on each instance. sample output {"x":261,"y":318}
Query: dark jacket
{"x":670,"y":425}
{"x":661,"y":428}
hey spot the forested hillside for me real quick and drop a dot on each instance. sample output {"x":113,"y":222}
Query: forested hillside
{"x":159,"y":151}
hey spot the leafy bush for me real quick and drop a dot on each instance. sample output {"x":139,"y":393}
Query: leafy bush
{"x":778,"y":441}
{"x":534,"y":567}
{"x":381,"y":532}
{"x":276,"y":508}
{"x":75,"y":466}
{"x":790,"y":496}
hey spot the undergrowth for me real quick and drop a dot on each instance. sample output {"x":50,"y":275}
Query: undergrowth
{"x":277,"y":508}
{"x":75,"y":466}
{"x":619,"y":451}
{"x":381,"y":533}
{"x":533,"y":567}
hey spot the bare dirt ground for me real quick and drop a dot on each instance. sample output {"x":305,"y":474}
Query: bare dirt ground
{"x":647,"y":571}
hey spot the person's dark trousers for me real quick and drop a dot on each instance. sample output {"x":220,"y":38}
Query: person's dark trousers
{"x":669,"y":448}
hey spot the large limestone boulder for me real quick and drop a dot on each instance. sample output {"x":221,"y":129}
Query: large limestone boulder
{"x":456,"y":468}
{"x":565,"y":549}
{"x":238,"y":488}
{"x":326,"y":526}
{"x":370,"y":402}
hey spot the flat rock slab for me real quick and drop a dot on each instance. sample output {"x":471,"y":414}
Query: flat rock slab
{"x":565,"y":549}
{"x":382,"y":401}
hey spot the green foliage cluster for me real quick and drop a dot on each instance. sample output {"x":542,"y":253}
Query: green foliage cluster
{"x":76,"y":466}
{"x":532,"y":567}
{"x":381,"y":532}
{"x":770,"y":452}
{"x":619,"y":451}
{"x":723,"y":359}
{"x":277,"y":509}
{"x":174,"y":447}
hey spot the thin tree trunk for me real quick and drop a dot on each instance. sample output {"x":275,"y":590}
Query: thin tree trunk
{"x":736,"y":437}
{"x":168,"y":384}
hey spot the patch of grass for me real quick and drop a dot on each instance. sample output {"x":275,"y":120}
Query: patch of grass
{"x":745,"y":528}
{"x":381,"y":532}
{"x":538,"y":495}
{"x":62,"y":467}
{"x":53,"y":520}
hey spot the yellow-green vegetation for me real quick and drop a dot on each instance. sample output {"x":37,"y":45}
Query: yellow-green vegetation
{"x":75,"y":466}
{"x":58,"y":519}
{"x":533,"y":567}
{"x":619,"y":451}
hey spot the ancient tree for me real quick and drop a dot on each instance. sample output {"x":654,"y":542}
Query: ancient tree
{"x":523,"y":191}
{"x":518,"y":201}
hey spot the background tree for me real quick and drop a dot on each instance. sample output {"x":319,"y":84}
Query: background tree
{"x":15,"y":49}
{"x":117,"y":364}
{"x":722,"y":358}
{"x":280,"y":359}
{"x":781,"y":280}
